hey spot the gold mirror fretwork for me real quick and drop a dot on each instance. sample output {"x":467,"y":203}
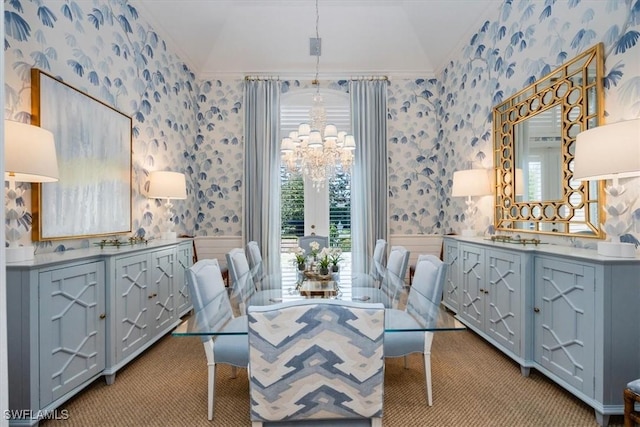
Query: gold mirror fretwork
{"x":534,"y":144}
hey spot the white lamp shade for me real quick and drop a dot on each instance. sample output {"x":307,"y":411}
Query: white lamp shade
{"x":287,"y":145}
{"x":341,"y":136}
{"x":608,"y":151}
{"x":349,"y":142}
{"x":29,"y":153}
{"x":303,"y":130}
{"x":471,"y":182}
{"x":315,"y":139}
{"x":331,"y":132}
{"x":167,"y":185}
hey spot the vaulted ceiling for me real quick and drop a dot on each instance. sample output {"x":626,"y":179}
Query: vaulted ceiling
{"x":219,"y":38}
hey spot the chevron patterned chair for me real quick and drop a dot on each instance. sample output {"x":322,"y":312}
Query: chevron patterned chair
{"x":313,"y":360}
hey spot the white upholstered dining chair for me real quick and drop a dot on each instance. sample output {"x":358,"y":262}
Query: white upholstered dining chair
{"x":304,"y":242}
{"x":424,"y":298}
{"x":211,"y":311}
{"x":240,"y":278}
{"x":379,"y":260}
{"x":254,"y":256}
{"x":326,"y":364}
{"x":395,"y":272}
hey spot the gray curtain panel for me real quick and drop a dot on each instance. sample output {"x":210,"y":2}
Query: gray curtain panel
{"x":369,"y":176}
{"x":262,"y":169}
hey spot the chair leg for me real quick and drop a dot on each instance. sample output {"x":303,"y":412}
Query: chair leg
{"x":428,"y":339}
{"x":211,"y":377}
{"x":376,"y":422}
{"x":427,"y":374}
{"x":256,"y":423}
{"x":629,"y":407}
{"x":406,"y":362}
{"x":211,"y":390}
{"x":234,"y":371}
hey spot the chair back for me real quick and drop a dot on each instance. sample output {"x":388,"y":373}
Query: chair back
{"x":254,"y":256}
{"x":393,"y":279}
{"x":211,"y":306}
{"x":426,"y":289}
{"x":327,"y":363}
{"x":305,"y":242}
{"x":242,"y":285}
{"x":379,"y":260}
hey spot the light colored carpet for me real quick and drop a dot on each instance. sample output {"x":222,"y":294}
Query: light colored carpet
{"x":473,"y":385}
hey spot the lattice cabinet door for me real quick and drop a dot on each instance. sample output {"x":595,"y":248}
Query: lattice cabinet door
{"x":472,"y":280}
{"x":162,"y":302}
{"x":451,"y":294}
{"x":72,"y":328}
{"x":131,"y":304}
{"x":564,"y":338}
{"x":185,"y":260}
{"x":503,"y":298}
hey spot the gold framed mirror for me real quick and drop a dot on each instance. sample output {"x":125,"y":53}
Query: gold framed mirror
{"x":534,"y":143}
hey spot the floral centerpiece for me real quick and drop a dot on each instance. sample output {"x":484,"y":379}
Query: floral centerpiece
{"x":335,"y":256}
{"x":300,"y":259}
{"x":324,"y":261}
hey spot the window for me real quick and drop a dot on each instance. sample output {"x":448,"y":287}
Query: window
{"x":328,"y":210}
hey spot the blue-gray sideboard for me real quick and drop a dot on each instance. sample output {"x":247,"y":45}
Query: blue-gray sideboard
{"x":77,"y":315}
{"x":569,"y":313}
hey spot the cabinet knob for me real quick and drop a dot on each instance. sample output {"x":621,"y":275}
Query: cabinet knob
{"x":103,"y":316}
{"x":482,"y":291}
{"x":536,"y":309}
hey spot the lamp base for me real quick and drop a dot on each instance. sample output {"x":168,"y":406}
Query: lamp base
{"x":19,"y":253}
{"x":469,"y":232}
{"x":617,"y":249}
{"x":168,"y":235}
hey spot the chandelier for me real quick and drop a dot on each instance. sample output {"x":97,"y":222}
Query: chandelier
{"x":317,"y":149}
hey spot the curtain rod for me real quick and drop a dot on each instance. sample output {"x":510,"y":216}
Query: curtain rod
{"x":369,"y":78}
{"x":261,"y":78}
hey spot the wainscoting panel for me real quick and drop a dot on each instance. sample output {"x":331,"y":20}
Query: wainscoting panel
{"x":209,"y":247}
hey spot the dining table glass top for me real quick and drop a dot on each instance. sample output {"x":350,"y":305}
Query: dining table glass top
{"x":403,"y":312}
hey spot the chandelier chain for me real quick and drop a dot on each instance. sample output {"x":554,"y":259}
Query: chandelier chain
{"x":317,"y":48}
{"x":317,"y":150}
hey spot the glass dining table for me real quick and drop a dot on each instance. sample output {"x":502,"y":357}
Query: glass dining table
{"x":403,"y":312}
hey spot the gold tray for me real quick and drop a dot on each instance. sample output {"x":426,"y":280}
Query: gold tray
{"x":312,"y":275}
{"x":318,"y":288}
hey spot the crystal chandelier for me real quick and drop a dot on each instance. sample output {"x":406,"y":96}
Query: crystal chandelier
{"x":317,"y":149}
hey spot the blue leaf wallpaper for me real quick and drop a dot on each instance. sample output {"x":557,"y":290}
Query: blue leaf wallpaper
{"x":436,"y":123}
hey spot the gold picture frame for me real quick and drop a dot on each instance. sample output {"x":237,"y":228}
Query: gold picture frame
{"x":93,"y":146}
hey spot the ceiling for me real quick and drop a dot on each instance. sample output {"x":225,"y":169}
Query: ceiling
{"x":219,"y":38}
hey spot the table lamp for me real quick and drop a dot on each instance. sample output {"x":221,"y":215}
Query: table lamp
{"x":611,"y":152}
{"x":469,"y":183}
{"x":171,"y":186}
{"x":29,"y":156}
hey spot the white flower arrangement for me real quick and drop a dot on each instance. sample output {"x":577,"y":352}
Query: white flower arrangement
{"x":335,"y":255}
{"x":315,"y":246}
{"x":300,"y":257}
{"x":323,"y":257}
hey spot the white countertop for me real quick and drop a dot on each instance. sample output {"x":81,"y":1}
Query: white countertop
{"x":69,"y":255}
{"x":544,"y":249}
